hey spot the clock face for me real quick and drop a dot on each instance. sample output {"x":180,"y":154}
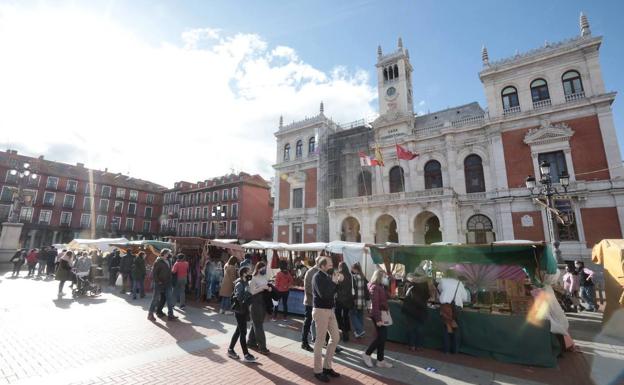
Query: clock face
{"x":391,"y":91}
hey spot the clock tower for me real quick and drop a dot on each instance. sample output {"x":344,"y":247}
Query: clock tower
{"x":394,"y":82}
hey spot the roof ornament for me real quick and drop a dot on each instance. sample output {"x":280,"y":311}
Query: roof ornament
{"x":281,"y":121}
{"x":379,"y":51}
{"x":322,"y":108}
{"x":400,"y":43}
{"x":485,"y":58}
{"x":407,"y":53}
{"x":584,"y":23}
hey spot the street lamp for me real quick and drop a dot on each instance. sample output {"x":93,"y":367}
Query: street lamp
{"x":21,"y":172}
{"x":546,"y":189}
{"x":218,"y":213}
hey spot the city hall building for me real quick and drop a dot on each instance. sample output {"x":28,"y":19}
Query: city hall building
{"x":468,"y":182}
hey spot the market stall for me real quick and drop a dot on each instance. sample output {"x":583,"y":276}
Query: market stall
{"x":152,"y":251}
{"x":610,"y":254}
{"x":498,"y":322}
{"x":102,"y":244}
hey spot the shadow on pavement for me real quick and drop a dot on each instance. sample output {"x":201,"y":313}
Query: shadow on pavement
{"x":189,"y":339}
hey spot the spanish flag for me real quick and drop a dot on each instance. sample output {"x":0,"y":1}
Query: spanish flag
{"x":379,"y":156}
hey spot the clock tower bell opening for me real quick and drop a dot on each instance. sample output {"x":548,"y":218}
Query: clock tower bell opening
{"x":394,"y":81}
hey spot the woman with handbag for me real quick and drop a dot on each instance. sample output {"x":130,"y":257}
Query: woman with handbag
{"x":344,"y":301}
{"x":415,"y":308}
{"x":380,"y":314}
{"x":240,"y":305}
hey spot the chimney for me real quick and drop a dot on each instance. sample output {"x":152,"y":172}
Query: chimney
{"x":40,"y":157}
{"x":80,"y":165}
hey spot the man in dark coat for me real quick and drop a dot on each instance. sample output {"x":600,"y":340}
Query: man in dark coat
{"x":125,"y":268}
{"x":114,"y":260}
{"x":52,"y":254}
{"x":163,"y":290}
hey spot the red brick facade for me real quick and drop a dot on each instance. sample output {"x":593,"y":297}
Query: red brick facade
{"x":309,"y":233}
{"x":600,"y":223}
{"x":282,"y":234}
{"x":531,"y":233}
{"x":310,"y":189}
{"x":284,"y":194}
{"x":255,"y":213}
{"x":518,"y":162}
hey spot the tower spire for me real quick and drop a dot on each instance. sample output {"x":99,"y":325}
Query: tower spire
{"x":400,"y":43}
{"x":485,"y":58}
{"x":322,"y":108}
{"x":584,"y":24}
{"x":281,"y":121}
{"x":379,"y":51}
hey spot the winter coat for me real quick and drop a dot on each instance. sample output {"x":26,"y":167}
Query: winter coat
{"x":32,"y":257}
{"x":63,"y":273}
{"x":126,"y":263}
{"x":242,"y":296}
{"x":379,"y":300}
{"x":138,"y":268}
{"x":161,"y":272}
{"x":19,"y":258}
{"x":227,"y":285}
{"x":344,"y":293}
{"x":415,"y":302}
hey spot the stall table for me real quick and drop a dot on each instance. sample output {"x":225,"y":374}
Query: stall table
{"x":506,"y":338}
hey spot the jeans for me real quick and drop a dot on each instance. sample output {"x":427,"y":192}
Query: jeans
{"x":414,"y":333}
{"x":212,"y":289}
{"x":325,"y":320}
{"x":50,"y":268}
{"x":16,"y":268}
{"x":357,"y":320}
{"x":226,"y":303}
{"x":344,"y":323}
{"x":281,"y":296}
{"x":379,"y":343}
{"x":240,"y":334}
{"x":138,"y":287}
{"x":112,"y":275}
{"x":42,"y":266}
{"x":126,"y":277}
{"x":307,"y":323}
{"x":451,"y":340}
{"x":588,"y":293}
{"x":162,"y":294}
{"x":258,"y":313}
{"x":31,"y":269}
{"x":180,"y":291}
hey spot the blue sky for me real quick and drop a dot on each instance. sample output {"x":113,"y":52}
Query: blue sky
{"x":325,"y":49}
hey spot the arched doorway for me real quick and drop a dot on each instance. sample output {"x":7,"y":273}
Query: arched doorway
{"x":480,"y":230}
{"x":427,"y":228}
{"x":350,"y":230}
{"x":386,"y":230}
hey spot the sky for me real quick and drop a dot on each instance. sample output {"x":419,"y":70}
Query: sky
{"x":190,"y":90}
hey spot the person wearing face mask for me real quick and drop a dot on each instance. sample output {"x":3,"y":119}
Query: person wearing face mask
{"x":162,"y":287}
{"x":379,"y":300}
{"x":258,"y":285}
{"x":241,"y":300}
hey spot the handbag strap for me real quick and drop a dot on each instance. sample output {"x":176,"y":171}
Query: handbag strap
{"x":455,"y":294}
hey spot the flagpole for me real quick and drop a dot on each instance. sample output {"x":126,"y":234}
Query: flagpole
{"x":383,"y":188}
{"x":399,"y":162}
{"x":364,"y":179}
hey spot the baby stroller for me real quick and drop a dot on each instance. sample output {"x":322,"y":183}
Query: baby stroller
{"x":84,"y":286}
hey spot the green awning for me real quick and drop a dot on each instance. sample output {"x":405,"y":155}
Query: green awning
{"x":529,"y":256}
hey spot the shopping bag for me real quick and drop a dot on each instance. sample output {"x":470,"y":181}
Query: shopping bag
{"x":386,"y":318}
{"x":119,"y":281}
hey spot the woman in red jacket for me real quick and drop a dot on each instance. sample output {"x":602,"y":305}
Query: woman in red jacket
{"x":283,"y":283}
{"x":31,"y":259}
{"x":380,"y":315}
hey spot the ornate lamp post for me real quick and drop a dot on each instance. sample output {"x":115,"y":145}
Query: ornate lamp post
{"x":22,"y":172}
{"x":218,"y":213}
{"x":546,"y":189}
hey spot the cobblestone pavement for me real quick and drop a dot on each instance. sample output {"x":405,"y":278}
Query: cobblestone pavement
{"x":108,"y":340}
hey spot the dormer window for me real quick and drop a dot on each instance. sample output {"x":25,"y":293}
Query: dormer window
{"x":287,"y":151}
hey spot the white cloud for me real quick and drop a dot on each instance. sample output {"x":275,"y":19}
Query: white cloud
{"x":421,"y":103}
{"x":69,"y":79}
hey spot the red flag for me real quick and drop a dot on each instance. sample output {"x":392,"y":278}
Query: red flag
{"x":404,"y":154}
{"x":366,"y":160}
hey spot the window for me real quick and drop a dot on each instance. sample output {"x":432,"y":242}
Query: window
{"x":215,"y":196}
{"x":297,"y":198}
{"x":188,"y":229}
{"x":85,"y":220}
{"x":312,"y":145}
{"x":206,"y":213}
{"x":148,"y":212}
{"x":182,"y":213}
{"x":5,"y":210}
{"x":567,"y":230}
{"x":26,"y":214}
{"x":572,"y":84}
{"x":235,"y":193}
{"x":297,"y":233}
{"x":299,"y":149}
{"x":480,"y":230}
{"x":206,"y":197}
{"x":149,"y":199}
{"x":433,"y":174}
{"x":118,"y":207}
{"x":557,"y":163}
{"x":7,"y":194}
{"x":100,"y":222}
{"x":115,"y":223}
{"x":473,"y":172}
{"x":52,"y":183}
{"x":49,"y":198}
{"x":233,"y":228}
{"x":10,"y":178}
{"x":132,"y":208}
{"x":72,"y":186}
{"x":212,"y":227}
{"x":365,"y":185}
{"x":397,"y":179}
{"x":539,"y":90}
{"x":224,"y":211}
{"x":147,"y":225}
{"x":106,"y":191}
{"x":88,"y":188}
{"x":120,"y":193}
{"x":192,"y":199}
{"x":234,"y":210}
{"x":130,"y":224}
{"x":510,"y":98}
{"x":197,"y":212}
{"x":68,"y":201}
{"x":87,"y":203}
{"x":134,"y":195}
{"x":103,"y":208}
{"x":29,"y":197}
{"x":287,"y":151}
{"x":66,"y":217}
{"x":204,"y":229}
{"x":45,"y":216}
{"x":226,"y":194}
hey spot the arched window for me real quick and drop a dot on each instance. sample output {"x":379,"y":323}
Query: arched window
{"x":473,"y":172}
{"x":572,"y":84}
{"x":385,"y":74}
{"x":365,"y":185}
{"x":539,"y":90}
{"x":510,"y":98}
{"x":311,"y":145}
{"x":390,"y":73}
{"x":433,"y":174}
{"x":480,"y":230}
{"x":287,"y":151}
{"x":397,"y":179}
{"x":396,"y":71}
{"x":299,"y":149}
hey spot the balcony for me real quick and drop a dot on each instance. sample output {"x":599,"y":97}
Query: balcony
{"x":65,"y":224}
{"x":575,"y":97}
{"x":511,"y":110}
{"x":538,"y":105}
{"x":68,"y":205}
